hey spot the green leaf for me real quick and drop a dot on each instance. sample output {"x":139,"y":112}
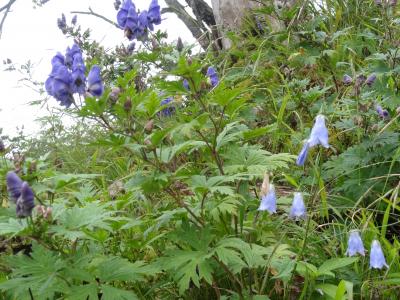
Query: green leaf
{"x":112,"y":293}
{"x":82,"y":292}
{"x":13,"y":227}
{"x":335,"y":263}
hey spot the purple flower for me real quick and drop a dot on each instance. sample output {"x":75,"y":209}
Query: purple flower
{"x":213,"y":76}
{"x":377,"y":258}
{"x":393,"y":2}
{"x":268,"y":201}
{"x":303,"y":154}
{"x":347,"y":80}
{"x":370,"y":80}
{"x":78,"y":75}
{"x":95,"y":84}
{"x":25,"y":202}
{"x":140,"y":29}
{"x":383,"y":113}
{"x":58,"y":84}
{"x":131,"y":47}
{"x":126,"y":11}
{"x":154,"y":14}
{"x":74,"y":20}
{"x":14,"y":184}
{"x":319,"y":133}
{"x":298,"y":209}
{"x":355,"y":244}
{"x":186,"y":84}
{"x":70,"y":55}
{"x":58,"y":59}
{"x":62,"y":23}
{"x":168,"y":110}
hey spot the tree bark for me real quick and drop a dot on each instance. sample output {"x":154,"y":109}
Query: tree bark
{"x":229,"y":15}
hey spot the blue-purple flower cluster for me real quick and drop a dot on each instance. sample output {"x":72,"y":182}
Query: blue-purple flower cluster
{"x":355,"y":245}
{"x":68,"y":77}
{"x":21,"y":194}
{"x":136,"y":24}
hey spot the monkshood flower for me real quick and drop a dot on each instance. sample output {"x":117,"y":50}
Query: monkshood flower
{"x":355,"y":244}
{"x":186,"y":84}
{"x":370,"y":80}
{"x":377,"y":259}
{"x":95,"y":84}
{"x":154,"y":14}
{"x":268,"y":201}
{"x":14,"y":185}
{"x":169,"y":110}
{"x":303,"y":154}
{"x":319,"y":133}
{"x":58,"y":59}
{"x":383,"y":113}
{"x":127,"y":10}
{"x":78,"y":75}
{"x":58,"y":84}
{"x":70,"y":55}
{"x":393,"y":2}
{"x":25,"y":202}
{"x":347,"y":80}
{"x":298,"y":209}
{"x":140,"y":29}
{"x":213,"y":76}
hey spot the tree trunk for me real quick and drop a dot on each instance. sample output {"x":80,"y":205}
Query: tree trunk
{"x":229,"y":15}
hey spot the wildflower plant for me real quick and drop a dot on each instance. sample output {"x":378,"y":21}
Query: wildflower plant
{"x":177,"y":178}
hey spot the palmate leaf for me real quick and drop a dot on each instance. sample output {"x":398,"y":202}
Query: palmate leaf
{"x":253,"y":160}
{"x":13,"y":227}
{"x":231,"y":133}
{"x":118,"y":269}
{"x":228,"y":206}
{"x":82,"y":292}
{"x":166,"y":154}
{"x":38,"y":272}
{"x":187,"y":266}
{"x":112,"y":293}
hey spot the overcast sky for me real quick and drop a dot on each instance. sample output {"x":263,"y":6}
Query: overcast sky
{"x":32,"y":34}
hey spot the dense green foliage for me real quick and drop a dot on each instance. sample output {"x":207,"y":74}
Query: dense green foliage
{"x":150,"y":205}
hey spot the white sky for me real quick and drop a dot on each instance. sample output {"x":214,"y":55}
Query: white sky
{"x":32,"y":34}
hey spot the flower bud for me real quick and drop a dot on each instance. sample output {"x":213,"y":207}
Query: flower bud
{"x":148,"y":128}
{"x":114,"y":95}
{"x":347,"y":80}
{"x":155,"y":44}
{"x":128,"y":105}
{"x":117,"y":4}
{"x":2,"y":147}
{"x":179,"y":45}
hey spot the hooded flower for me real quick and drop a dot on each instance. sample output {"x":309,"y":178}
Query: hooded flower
{"x":95,"y":84}
{"x":298,"y":209}
{"x":319,"y":133}
{"x":213,"y":76}
{"x":14,"y":184}
{"x":70,"y":55}
{"x":303,"y":154}
{"x":168,"y":110}
{"x":383,"y":113}
{"x":78,"y":75}
{"x":268,"y":201}
{"x":347,"y":80}
{"x":58,"y":84}
{"x":126,"y":11}
{"x":355,"y":244}
{"x":154,"y":14}
{"x":377,"y":258}
{"x":370,"y":80}
{"x":25,"y":202}
{"x":58,"y":59}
